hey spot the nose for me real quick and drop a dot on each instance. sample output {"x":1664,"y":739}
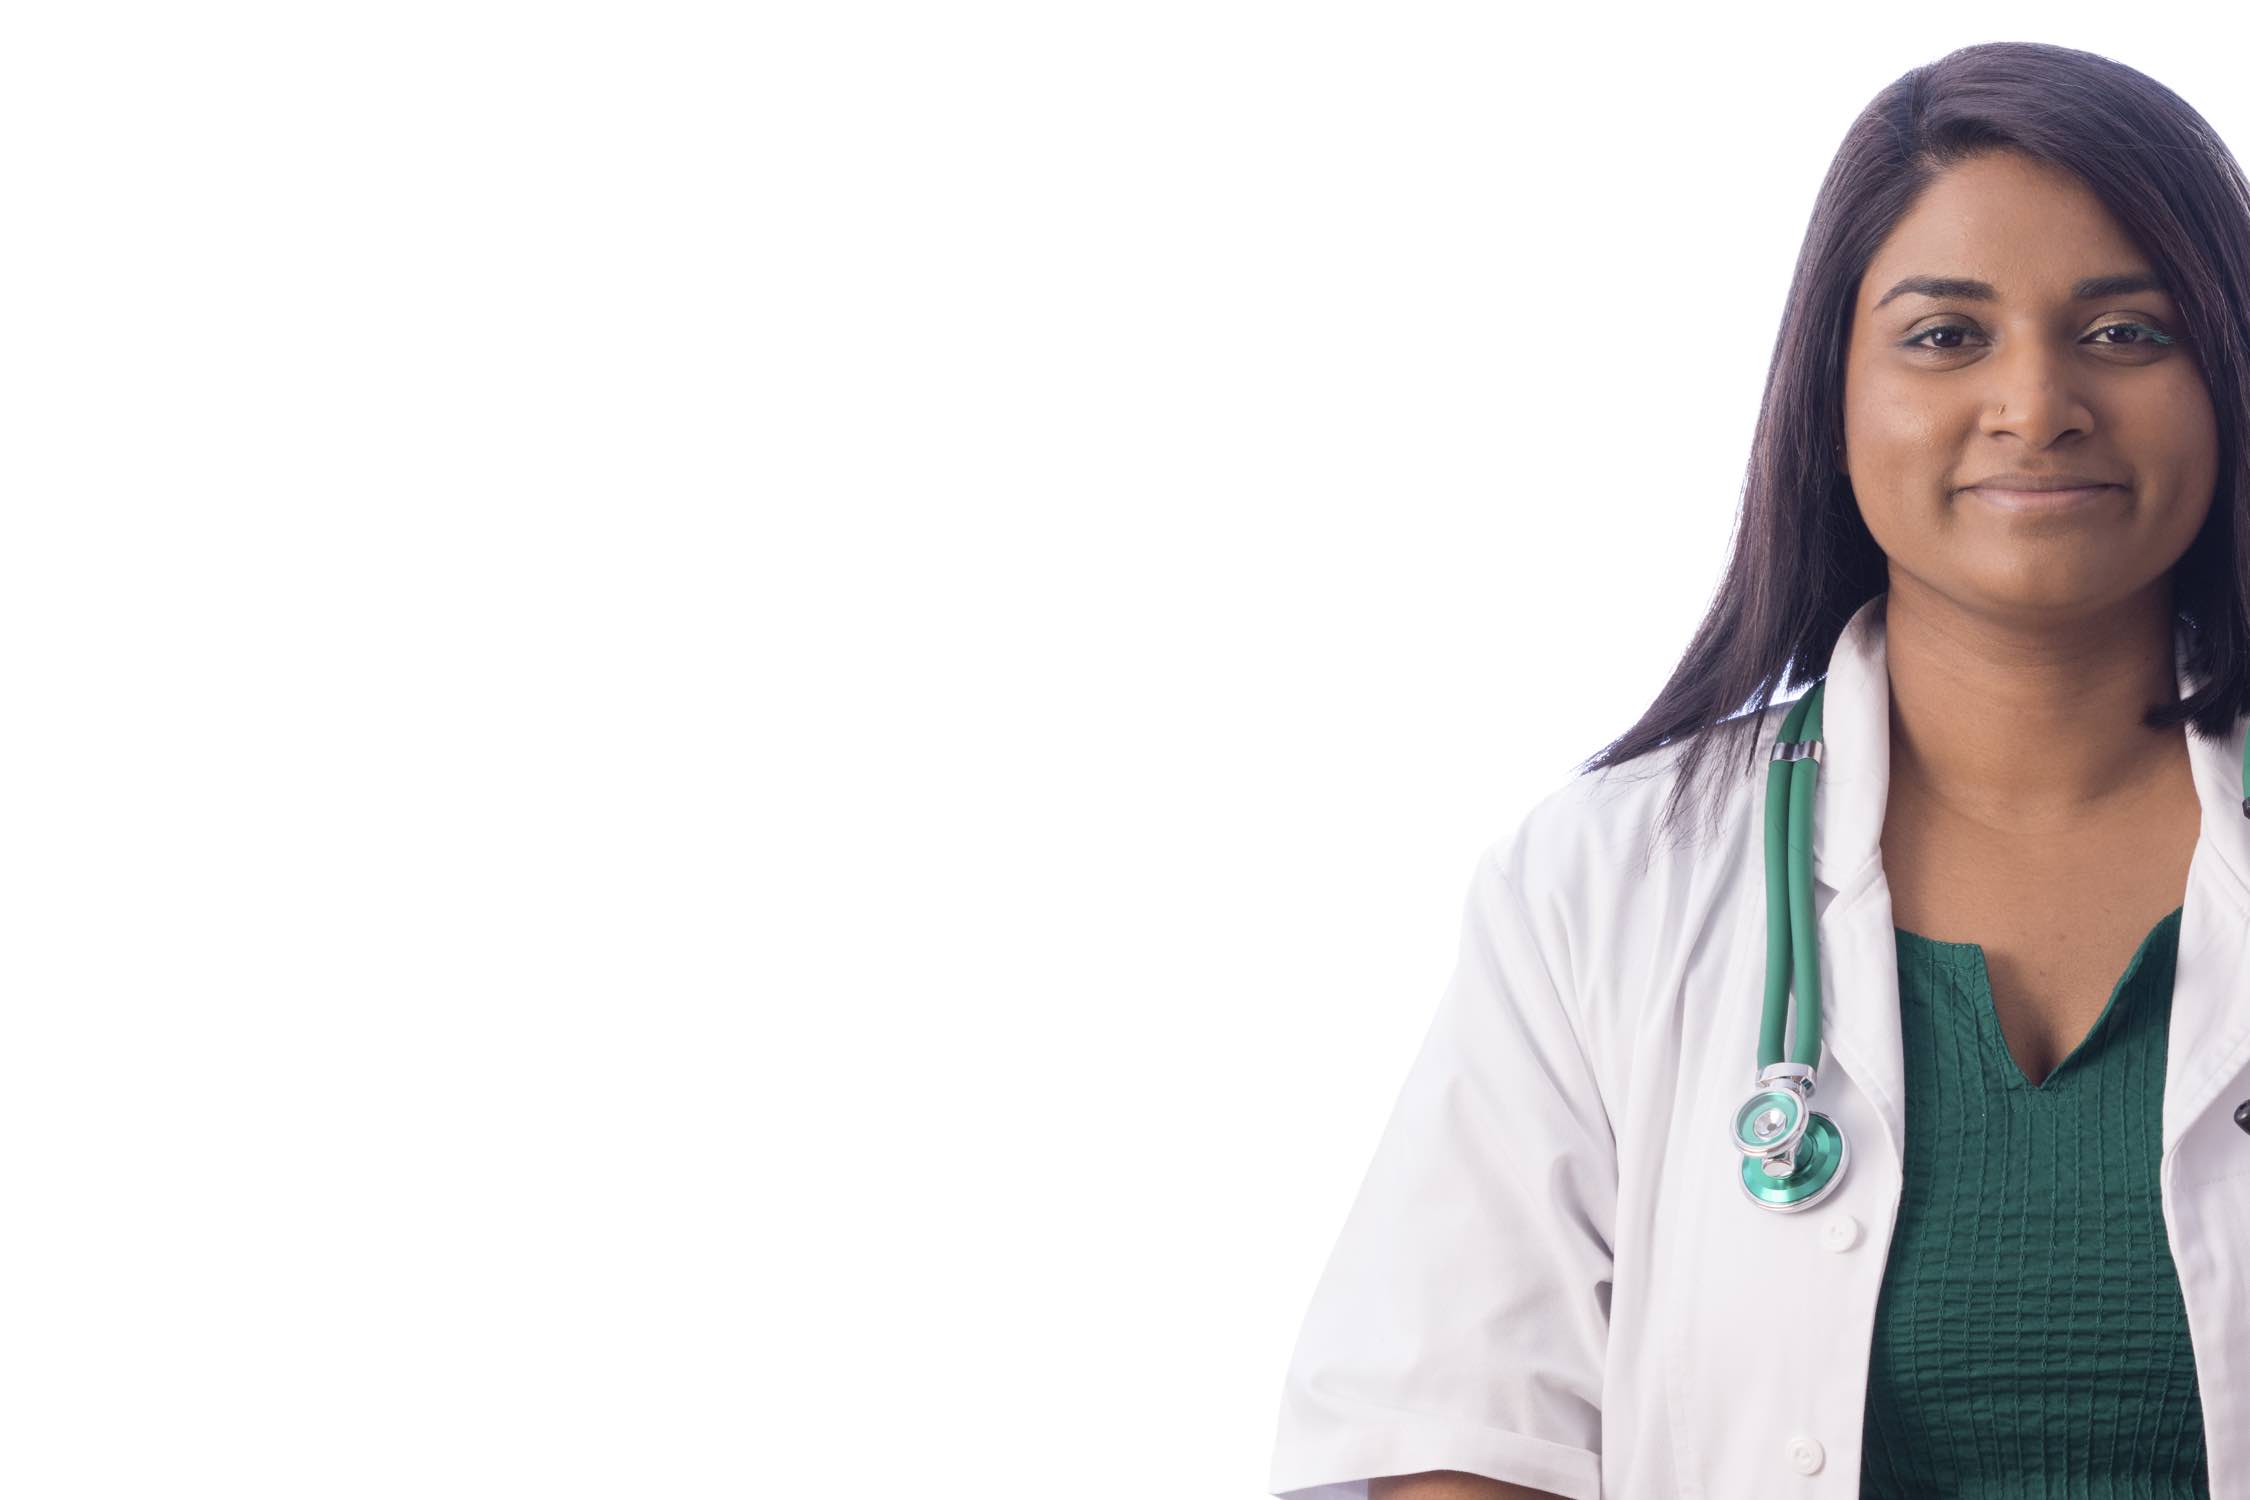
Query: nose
{"x":2031,"y":390}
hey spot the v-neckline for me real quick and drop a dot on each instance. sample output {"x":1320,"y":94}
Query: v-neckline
{"x":1991,"y":1006}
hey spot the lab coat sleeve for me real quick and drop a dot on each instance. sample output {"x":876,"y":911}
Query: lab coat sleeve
{"x":1461,"y":1319}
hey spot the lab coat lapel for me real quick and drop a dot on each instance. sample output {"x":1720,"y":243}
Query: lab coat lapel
{"x":1859,"y":1000}
{"x":2205,"y":1167}
{"x":2210,"y":1023}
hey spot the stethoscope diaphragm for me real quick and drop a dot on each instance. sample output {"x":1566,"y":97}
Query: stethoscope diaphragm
{"x":1792,"y":1157}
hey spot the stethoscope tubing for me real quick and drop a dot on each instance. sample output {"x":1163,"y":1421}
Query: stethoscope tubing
{"x":1791,"y":783}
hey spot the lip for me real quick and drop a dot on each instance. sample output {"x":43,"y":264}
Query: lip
{"x":2032,"y":479}
{"x":2042,"y":501}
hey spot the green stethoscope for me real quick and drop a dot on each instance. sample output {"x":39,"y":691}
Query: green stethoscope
{"x":1792,"y":1158}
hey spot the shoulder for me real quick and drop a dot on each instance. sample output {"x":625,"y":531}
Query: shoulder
{"x":1603,"y":823}
{"x":1587,"y":903}
{"x":1608,"y":898}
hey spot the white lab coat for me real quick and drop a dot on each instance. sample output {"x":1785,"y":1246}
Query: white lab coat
{"x":1550,"y":1273}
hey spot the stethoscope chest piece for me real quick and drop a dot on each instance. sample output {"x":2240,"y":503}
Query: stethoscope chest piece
{"x":1792,"y":1157}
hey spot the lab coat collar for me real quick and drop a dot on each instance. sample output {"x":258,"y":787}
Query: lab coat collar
{"x":2209,"y":1044}
{"x":1856,"y":762}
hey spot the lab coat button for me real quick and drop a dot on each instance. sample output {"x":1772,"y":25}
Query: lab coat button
{"x":1805,"y":1455}
{"x":2242,"y":1114}
{"x":1839,"y":1233}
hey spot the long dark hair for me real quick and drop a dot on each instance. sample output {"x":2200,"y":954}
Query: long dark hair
{"x":1802,"y":559}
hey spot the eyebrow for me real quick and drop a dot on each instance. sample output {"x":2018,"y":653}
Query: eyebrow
{"x":1963,"y":289}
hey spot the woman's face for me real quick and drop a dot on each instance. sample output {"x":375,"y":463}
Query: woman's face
{"x":1946,"y":386}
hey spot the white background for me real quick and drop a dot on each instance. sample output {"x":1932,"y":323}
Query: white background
{"x":741,"y":742}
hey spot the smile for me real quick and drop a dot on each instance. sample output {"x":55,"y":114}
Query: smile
{"x":2043,"y":500}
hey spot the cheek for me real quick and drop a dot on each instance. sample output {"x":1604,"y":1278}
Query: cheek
{"x":2185,"y":440}
{"x":2170,"y":437}
{"x":1899,"y":530}
{"x":1898,"y":449}
{"x":1894,"y":426}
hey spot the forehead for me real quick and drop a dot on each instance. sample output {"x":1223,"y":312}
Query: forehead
{"x":2030,"y":229}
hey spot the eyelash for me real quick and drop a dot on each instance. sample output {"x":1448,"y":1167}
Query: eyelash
{"x":2158,"y":338}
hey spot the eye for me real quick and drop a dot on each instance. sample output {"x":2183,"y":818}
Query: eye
{"x":2155,"y":336}
{"x":2151,"y":338}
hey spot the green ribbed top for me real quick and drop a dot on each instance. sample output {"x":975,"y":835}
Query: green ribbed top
{"x":2030,"y":1338}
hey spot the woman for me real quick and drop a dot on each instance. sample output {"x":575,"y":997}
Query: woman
{"x":1994,"y":522}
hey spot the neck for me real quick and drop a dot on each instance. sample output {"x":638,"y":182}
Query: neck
{"x":2031,"y":728}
